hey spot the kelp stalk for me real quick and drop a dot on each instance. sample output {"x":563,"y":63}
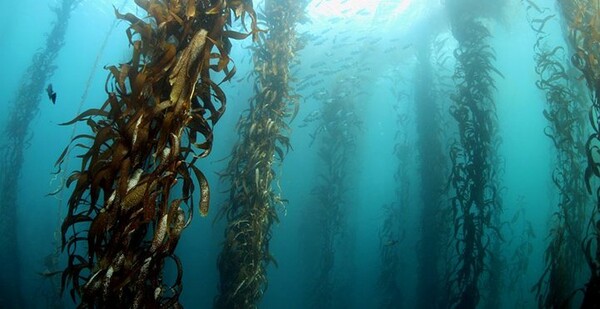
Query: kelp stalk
{"x":337,"y":144}
{"x":433,"y":171}
{"x":124,"y":221}
{"x":51,"y":261}
{"x":565,"y":113}
{"x":253,"y":200}
{"x":473,"y":177}
{"x":582,"y":23}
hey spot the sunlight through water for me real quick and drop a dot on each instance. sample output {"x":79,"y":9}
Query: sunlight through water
{"x":357,"y":8}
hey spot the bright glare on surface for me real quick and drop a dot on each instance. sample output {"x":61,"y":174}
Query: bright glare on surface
{"x":357,"y":8}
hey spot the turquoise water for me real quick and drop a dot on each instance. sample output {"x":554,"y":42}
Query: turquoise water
{"x":377,"y":46}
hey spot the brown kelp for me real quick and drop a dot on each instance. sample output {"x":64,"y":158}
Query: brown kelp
{"x":433,"y":171}
{"x":123,"y":222}
{"x":566,"y":115}
{"x":52,"y":260}
{"x":336,"y":136}
{"x":474,"y":175}
{"x":16,"y":137}
{"x":582,"y":24}
{"x":494,"y":282}
{"x":263,"y":142}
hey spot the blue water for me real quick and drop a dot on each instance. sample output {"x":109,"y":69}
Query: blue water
{"x":526,"y":153}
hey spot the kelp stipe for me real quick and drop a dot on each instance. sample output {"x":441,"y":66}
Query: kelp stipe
{"x":433,"y":171}
{"x":565,"y":113}
{"x":336,"y":138}
{"x":51,"y":263}
{"x":493,"y":283}
{"x":473,"y":176}
{"x":16,"y":137}
{"x":582,"y":22}
{"x":123,"y":221}
{"x":263,"y":142}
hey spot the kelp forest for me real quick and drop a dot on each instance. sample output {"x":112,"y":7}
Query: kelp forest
{"x":300,"y":154}
{"x":17,"y":135}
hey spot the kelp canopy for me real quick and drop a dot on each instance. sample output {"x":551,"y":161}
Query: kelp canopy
{"x":123,"y":221}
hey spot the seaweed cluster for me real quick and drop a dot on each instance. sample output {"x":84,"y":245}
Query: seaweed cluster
{"x":17,"y":137}
{"x":336,"y":134}
{"x":566,"y":114}
{"x":474,"y":174}
{"x":252,"y":205}
{"x":123,"y":220}
{"x":432,"y":171}
{"x":583,"y":28}
{"x":493,"y":282}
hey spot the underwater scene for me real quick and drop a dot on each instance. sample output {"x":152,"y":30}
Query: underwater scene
{"x":300,"y":154}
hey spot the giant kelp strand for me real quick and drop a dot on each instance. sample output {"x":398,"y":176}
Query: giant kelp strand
{"x":51,"y":261}
{"x":493,"y":282}
{"x":34,"y":79}
{"x":123,"y":220}
{"x":17,"y":137}
{"x":263,"y":141}
{"x":565,"y":113}
{"x":336,"y":135}
{"x":473,"y":176}
{"x":433,"y":172}
{"x":443,"y":87}
{"x":392,"y":232}
{"x":582,"y":23}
